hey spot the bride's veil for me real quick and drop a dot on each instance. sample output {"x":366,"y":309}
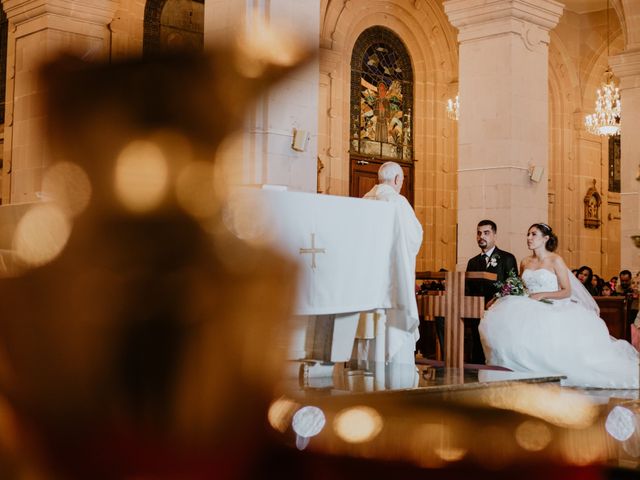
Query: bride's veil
{"x":580,"y":295}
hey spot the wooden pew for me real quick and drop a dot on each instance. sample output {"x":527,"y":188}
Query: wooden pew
{"x":428,"y":344}
{"x":613,"y":310}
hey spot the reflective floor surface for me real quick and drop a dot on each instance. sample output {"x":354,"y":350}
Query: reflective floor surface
{"x":315,"y":378}
{"x":430,"y":416}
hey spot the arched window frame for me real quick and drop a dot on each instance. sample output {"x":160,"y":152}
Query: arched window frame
{"x":368,"y":39}
{"x":151,"y":36}
{"x":151,"y":40}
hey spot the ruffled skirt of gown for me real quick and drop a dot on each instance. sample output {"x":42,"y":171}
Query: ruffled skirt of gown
{"x":564,"y":338}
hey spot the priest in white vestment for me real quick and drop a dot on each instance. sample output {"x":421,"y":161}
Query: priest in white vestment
{"x":402,"y":323}
{"x":391,"y":178}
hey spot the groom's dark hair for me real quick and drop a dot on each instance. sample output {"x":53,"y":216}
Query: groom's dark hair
{"x":491,"y":223}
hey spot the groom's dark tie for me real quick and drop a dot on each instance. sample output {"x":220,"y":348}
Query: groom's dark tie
{"x":484,"y":259}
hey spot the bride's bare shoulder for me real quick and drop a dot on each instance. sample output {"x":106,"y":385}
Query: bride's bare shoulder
{"x":557,"y":260}
{"x":525,"y":262}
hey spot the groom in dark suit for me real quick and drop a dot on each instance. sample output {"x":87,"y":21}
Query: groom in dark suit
{"x":491,"y":259}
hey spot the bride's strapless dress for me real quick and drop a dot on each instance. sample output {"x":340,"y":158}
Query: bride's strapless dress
{"x":564,"y":338}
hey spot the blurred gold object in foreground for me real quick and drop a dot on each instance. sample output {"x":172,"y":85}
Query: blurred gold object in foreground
{"x":129,"y":330}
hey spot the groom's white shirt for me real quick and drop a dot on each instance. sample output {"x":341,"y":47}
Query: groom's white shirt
{"x":489,"y":252}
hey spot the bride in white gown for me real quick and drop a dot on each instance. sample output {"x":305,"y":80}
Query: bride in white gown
{"x":565,"y":336}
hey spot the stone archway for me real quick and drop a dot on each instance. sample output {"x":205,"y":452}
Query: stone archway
{"x":432,"y":45}
{"x":173,"y":24}
{"x":576,"y":157}
{"x":151,"y":36}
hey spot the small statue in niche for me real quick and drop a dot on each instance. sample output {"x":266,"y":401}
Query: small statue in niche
{"x":592,"y":202}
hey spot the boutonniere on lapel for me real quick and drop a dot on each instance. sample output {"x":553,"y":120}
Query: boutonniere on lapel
{"x":493,"y":261}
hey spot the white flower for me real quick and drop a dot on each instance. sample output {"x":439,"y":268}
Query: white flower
{"x":493,"y":262}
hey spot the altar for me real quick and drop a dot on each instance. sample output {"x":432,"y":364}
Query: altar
{"x":352,"y":260}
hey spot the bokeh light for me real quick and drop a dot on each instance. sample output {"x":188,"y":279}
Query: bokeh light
{"x":358,"y":424}
{"x":281,"y":412}
{"x":260,"y":45}
{"x":68,"y":185}
{"x":41,"y":234}
{"x":583,"y":446}
{"x":426,"y":439}
{"x":451,"y":454}
{"x":533,"y":435}
{"x":244,"y":216}
{"x":552,"y":404}
{"x":141,"y":176}
{"x":308,"y":421}
{"x":632,"y":446}
{"x":620,"y":423}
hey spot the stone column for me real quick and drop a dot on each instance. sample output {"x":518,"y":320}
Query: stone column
{"x":38,"y":29}
{"x":627,"y":68}
{"x":266,"y":153}
{"x":504,"y":126}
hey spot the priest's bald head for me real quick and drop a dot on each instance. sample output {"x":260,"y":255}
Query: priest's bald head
{"x":390,"y":173}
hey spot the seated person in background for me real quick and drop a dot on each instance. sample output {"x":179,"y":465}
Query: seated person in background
{"x":585,"y":274}
{"x":432,"y":286}
{"x":633,"y":299}
{"x":625,"y":288}
{"x":606,"y":290}
{"x":596,"y":283}
{"x":614,"y":283}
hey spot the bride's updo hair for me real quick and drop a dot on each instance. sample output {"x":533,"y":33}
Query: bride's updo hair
{"x":552,"y":243}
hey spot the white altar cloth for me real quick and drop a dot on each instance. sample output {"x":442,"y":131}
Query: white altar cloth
{"x":360,"y":263}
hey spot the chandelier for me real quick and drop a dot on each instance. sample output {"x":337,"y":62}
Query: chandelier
{"x":605,"y":121}
{"x":453,"y":108}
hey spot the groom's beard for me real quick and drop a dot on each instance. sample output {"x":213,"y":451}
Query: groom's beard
{"x":482,"y":244}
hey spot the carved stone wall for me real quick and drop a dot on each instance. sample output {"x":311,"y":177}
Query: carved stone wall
{"x":431,"y":43}
{"x":577,"y":60}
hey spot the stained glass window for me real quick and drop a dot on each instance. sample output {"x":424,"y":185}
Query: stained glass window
{"x":381,"y":96}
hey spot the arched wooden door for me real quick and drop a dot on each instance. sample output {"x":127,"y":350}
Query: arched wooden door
{"x":364,"y":175}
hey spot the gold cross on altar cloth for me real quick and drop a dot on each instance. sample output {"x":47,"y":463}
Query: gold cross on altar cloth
{"x":313,"y":250}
